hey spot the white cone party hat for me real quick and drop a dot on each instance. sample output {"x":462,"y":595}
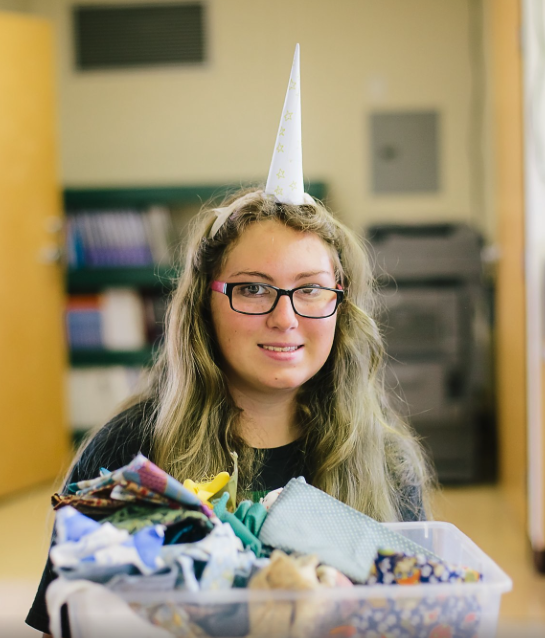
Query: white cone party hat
{"x":285,"y":181}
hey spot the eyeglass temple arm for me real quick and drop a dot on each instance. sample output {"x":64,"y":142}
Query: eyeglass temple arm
{"x":219,"y":286}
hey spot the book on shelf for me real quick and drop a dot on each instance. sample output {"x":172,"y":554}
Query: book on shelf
{"x":84,"y":322}
{"x":124,"y":326}
{"x":118,"y":319}
{"x":120,"y":237}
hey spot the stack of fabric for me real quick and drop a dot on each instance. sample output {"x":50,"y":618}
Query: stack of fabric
{"x":162,"y":545}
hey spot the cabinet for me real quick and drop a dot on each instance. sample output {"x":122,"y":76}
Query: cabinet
{"x":437,"y":328}
{"x":153,"y":281}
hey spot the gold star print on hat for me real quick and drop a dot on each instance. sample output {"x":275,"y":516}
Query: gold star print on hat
{"x":285,"y":181}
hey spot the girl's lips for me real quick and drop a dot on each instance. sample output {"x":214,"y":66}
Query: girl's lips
{"x":280,"y":347}
{"x":280,"y":352}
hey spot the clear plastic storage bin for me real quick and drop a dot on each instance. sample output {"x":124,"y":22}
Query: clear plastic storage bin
{"x":468,"y":610}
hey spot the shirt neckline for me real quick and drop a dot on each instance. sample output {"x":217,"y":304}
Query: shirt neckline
{"x":281,"y":448}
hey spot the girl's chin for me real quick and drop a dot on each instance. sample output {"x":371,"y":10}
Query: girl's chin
{"x":282,"y":383}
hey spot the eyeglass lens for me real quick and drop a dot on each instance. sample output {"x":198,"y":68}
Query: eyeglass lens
{"x":260,"y":298}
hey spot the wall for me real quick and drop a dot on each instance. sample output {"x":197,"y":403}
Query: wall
{"x":15,"y":5}
{"x":217,"y":123}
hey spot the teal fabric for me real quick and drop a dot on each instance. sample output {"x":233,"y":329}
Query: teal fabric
{"x":248,"y":539}
{"x":242,"y":510}
{"x":253,"y":516}
{"x":305,"y":519}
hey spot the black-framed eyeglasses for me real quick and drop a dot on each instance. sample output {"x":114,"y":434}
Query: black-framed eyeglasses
{"x":253,"y":298}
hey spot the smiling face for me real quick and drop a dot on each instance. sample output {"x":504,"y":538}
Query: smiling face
{"x":279,"y":351}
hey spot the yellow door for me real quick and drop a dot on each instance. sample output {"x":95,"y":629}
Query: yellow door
{"x":33,"y":432}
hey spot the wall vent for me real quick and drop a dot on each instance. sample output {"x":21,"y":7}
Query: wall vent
{"x":143,"y":35}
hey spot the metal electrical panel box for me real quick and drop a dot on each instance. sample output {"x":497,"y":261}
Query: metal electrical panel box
{"x":405,"y":152}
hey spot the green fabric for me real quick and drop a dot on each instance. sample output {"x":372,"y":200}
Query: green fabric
{"x":248,"y":539}
{"x":242,"y":510}
{"x":252,"y":515}
{"x":255,"y":517}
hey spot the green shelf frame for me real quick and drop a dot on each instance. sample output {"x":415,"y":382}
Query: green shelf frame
{"x":85,"y":358}
{"x":77,"y":437}
{"x":142,"y":197}
{"x":158,"y":278}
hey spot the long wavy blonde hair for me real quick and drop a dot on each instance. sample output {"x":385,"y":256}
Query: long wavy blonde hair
{"x":356,"y":448}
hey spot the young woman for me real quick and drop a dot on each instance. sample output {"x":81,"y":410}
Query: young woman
{"x":271,"y":351}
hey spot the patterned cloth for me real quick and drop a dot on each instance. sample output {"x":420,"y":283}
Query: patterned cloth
{"x":92,"y":505}
{"x":182,"y":526}
{"x":142,"y":472}
{"x":431,"y":617}
{"x":398,"y":568}
{"x":139,"y":482}
{"x":304,"y":519}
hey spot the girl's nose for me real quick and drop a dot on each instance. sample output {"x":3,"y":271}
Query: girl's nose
{"x":283,"y":317}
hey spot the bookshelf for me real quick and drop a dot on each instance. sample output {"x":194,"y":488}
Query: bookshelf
{"x":90,"y":357}
{"x":93,"y":280}
{"x":88,"y":282}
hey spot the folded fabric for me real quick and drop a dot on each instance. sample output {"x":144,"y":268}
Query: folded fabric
{"x":82,"y":540}
{"x":145,"y":474}
{"x":304,"y":519}
{"x":399,"y":568}
{"x":97,"y":506}
{"x":130,"y":492}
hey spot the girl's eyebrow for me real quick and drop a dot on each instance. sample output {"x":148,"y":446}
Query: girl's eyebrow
{"x":252,"y":273}
{"x":313,"y":273}
{"x":303,"y":275}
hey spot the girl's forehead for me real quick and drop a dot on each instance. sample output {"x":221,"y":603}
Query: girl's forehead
{"x":275,"y":245}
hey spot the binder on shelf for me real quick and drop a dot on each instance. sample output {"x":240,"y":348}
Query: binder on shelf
{"x":120,"y":237}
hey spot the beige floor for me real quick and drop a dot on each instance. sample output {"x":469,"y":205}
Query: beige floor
{"x":480,"y":512}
